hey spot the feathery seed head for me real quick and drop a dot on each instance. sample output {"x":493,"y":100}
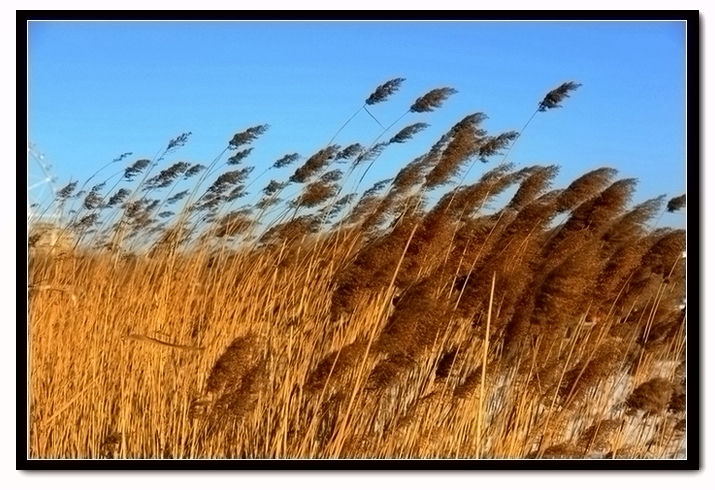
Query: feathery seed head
{"x":178,"y":142}
{"x":286,"y":160}
{"x":385,"y":90}
{"x":676,"y":204}
{"x":234,"y":363}
{"x":348,"y":152}
{"x":652,"y":396}
{"x":135,"y":169}
{"x":554,"y":97}
{"x":408,"y":132}
{"x":194,"y":170}
{"x":247,"y":136}
{"x":432,"y":99}
{"x":239,"y":156}
{"x":314,"y":164}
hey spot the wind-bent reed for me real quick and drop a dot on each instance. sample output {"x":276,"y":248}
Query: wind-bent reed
{"x":425,"y":316}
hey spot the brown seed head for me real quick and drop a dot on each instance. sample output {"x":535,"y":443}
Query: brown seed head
{"x":652,"y":396}
{"x":432,"y":99}
{"x":676,"y":204}
{"x":382,"y":92}
{"x":599,"y":436}
{"x":554,"y":97}
{"x":234,"y":363}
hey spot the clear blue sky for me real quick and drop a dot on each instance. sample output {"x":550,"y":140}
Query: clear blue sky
{"x":100,"y":89}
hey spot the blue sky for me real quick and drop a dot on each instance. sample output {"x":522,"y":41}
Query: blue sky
{"x":100,"y":89}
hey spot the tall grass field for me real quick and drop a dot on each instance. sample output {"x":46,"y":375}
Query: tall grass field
{"x":183,"y":310}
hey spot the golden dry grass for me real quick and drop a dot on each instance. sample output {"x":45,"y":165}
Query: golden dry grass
{"x":389,"y":329}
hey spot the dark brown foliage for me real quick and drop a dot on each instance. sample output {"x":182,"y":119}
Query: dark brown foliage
{"x":667,"y":326}
{"x":652,"y":396}
{"x":384,"y":91}
{"x":178,"y":142}
{"x":553,"y":98}
{"x":537,"y":180}
{"x":598,"y":437}
{"x":119,"y":197}
{"x":585,"y":187}
{"x":463,"y":145}
{"x":273,"y":187}
{"x":469,"y":200}
{"x":167,"y":176}
{"x":234,"y":363}
{"x":559,"y":295}
{"x":492,"y":145}
{"x":65,"y":193}
{"x":247,"y":136}
{"x":335,"y":369}
{"x":419,"y":320}
{"x":619,"y":268}
{"x":292,"y":230}
{"x":349,"y":152}
{"x":493,"y":249}
{"x":676,"y":204}
{"x":678,"y":400}
{"x":590,"y":218}
{"x":238,"y":402}
{"x":410,"y":175}
{"x":389,"y":372}
{"x":177,"y":197}
{"x":239,"y":156}
{"x":607,"y":360}
{"x":194,"y":170}
{"x":408,"y":132}
{"x":662,"y":256}
{"x":632,"y":225}
{"x":286,"y":160}
{"x":367,"y":204}
{"x":314,"y":164}
{"x":135,"y":169}
{"x":371,"y":270}
{"x":233,"y":223}
{"x":316,"y":193}
{"x":432,"y":99}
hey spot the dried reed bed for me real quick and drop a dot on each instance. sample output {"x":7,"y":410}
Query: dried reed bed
{"x":414,"y":321}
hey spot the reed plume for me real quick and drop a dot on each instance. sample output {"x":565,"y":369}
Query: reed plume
{"x":390,"y":372}
{"x":585,"y":187}
{"x":384,"y":91}
{"x":652,"y":396}
{"x":408,"y":132}
{"x":235,"y":362}
{"x":314,"y":164}
{"x":335,"y":370}
{"x":419,"y":319}
{"x":599,"y":437}
{"x":432,"y":99}
{"x":553,"y":98}
{"x":676,"y":204}
{"x":241,"y":400}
